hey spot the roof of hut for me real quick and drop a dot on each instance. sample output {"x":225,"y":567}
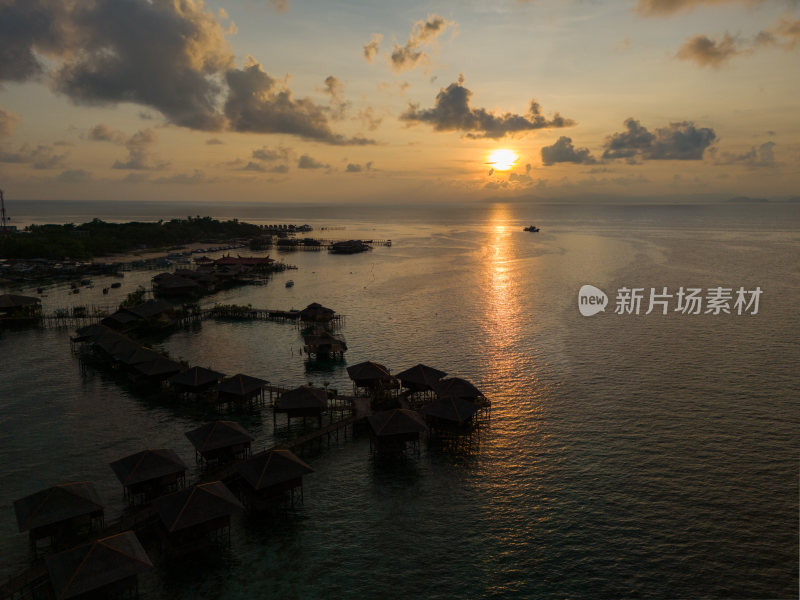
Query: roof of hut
{"x":56,"y":504}
{"x":452,"y":409}
{"x":303,"y":397}
{"x":219,"y":434}
{"x":241,"y":385}
{"x":15,"y":301}
{"x":421,"y":375}
{"x":398,"y":421}
{"x":157,"y":367}
{"x":137,"y":356}
{"x":150,"y":308}
{"x":325,"y":338}
{"x":272,"y":467}
{"x":316,"y":312}
{"x":457,"y":388}
{"x":196,"y":378}
{"x":369,"y":371}
{"x":91,"y":331}
{"x":97,"y":564}
{"x":196,"y":505}
{"x":147,"y":465}
{"x":120,"y":317}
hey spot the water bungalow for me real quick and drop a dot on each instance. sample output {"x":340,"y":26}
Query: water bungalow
{"x":155,"y":314}
{"x":196,"y":517}
{"x":455,"y":387}
{"x":450,"y":413}
{"x":420,"y":378}
{"x":61,"y":513}
{"x":195,"y":380}
{"x":372,"y":377}
{"x":168,"y":285}
{"x":269,"y":475}
{"x":150,"y":473}
{"x":155,"y":371}
{"x":301,"y":402}
{"x":14,"y":307}
{"x":105,"y":568}
{"x":316,"y":313}
{"x":221,"y":441}
{"x":241,"y":389}
{"x":349,"y":247}
{"x":323,"y":344}
{"x":391,"y":430}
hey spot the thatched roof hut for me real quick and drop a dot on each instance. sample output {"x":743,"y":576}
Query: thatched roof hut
{"x":195,"y":380}
{"x":304,"y":401}
{"x":324,"y":343}
{"x":316,"y":313}
{"x":455,"y":387}
{"x":15,"y":306}
{"x":106,"y":567}
{"x":241,"y":388}
{"x":391,"y":429}
{"x":137,"y":356}
{"x":269,"y":474}
{"x":150,"y":473}
{"x":158,"y":369}
{"x":196,"y":514}
{"x":450,"y":410}
{"x":420,"y":378}
{"x":221,"y":440}
{"x":61,"y":509}
{"x":371,"y":375}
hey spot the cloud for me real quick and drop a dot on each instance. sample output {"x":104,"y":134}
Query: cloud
{"x":452,"y":112}
{"x":270,"y":154}
{"x":8,"y":122}
{"x":564,"y":151}
{"x":423,"y":33}
{"x":74,"y":176}
{"x":373,"y":47}
{"x":335,"y":89}
{"x":104,"y":133}
{"x":140,"y":157}
{"x":307,"y":162}
{"x":368,"y":117}
{"x":677,"y":141}
{"x":281,"y":6}
{"x":652,"y":8}
{"x":43,"y":157}
{"x":763,"y":156}
{"x":258,"y":104}
{"x":198,"y":176}
{"x":357,"y":168}
{"x":707,"y":52}
{"x":214,"y":142}
{"x":134,"y":178}
{"x":254,"y":166}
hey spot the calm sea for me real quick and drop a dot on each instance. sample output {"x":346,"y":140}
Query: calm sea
{"x":649,"y":456}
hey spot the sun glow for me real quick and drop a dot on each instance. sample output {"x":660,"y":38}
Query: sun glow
{"x":502,"y":159}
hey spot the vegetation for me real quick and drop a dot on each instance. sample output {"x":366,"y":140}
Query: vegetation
{"x":98,"y":238}
{"x":134,"y":298}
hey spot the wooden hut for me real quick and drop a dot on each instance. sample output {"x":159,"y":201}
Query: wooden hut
{"x":323,"y":344}
{"x":241,"y":389}
{"x":450,"y":413}
{"x":221,"y":441}
{"x":195,"y":380}
{"x":316,"y":313}
{"x":62,"y":513}
{"x":420,"y":378}
{"x":371,"y":376}
{"x":269,"y":475}
{"x":196,"y":516}
{"x":156,"y":370}
{"x":455,"y":387}
{"x":105,"y":568}
{"x":390,"y":430}
{"x":150,"y":473}
{"x":14,"y":307}
{"x":301,"y":402}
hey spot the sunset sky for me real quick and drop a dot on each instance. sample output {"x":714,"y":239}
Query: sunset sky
{"x":259,"y":100}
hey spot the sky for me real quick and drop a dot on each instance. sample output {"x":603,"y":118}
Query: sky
{"x":345,"y":101}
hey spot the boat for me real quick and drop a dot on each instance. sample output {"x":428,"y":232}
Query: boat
{"x":116,"y":284}
{"x":532,"y":229}
{"x":289,"y":283}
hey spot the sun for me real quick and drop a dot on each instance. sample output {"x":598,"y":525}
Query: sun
{"x":502,"y":159}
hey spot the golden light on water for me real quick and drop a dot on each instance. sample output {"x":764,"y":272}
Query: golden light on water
{"x":502,"y":159}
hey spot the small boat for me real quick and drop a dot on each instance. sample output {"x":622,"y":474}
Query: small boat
{"x":532,"y":229}
{"x":116,"y":284}
{"x":289,"y":283}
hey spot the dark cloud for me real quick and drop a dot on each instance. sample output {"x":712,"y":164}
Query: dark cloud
{"x":338,"y":105}
{"x":564,"y":151}
{"x":373,"y":47}
{"x":709,"y":53}
{"x":452,"y":112}
{"x":254,"y":166}
{"x":763,"y":156}
{"x":43,"y":157}
{"x":74,"y":176}
{"x":677,"y":141}
{"x":357,"y":168}
{"x":307,"y":162}
{"x":198,"y":176}
{"x":104,"y":133}
{"x":28,"y":27}
{"x":423,"y":33}
{"x":8,"y":122}
{"x":140,"y":156}
{"x":214,"y":142}
{"x":258,"y":104}
{"x":271,"y":154}
{"x":135,"y":178}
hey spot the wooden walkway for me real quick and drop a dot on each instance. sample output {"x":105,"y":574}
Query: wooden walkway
{"x":252,"y":314}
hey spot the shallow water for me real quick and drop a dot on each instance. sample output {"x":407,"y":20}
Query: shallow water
{"x":641,"y":456}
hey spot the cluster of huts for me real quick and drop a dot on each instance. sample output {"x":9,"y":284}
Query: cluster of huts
{"x":211,"y":275}
{"x":429,"y":402}
{"x":177,"y":519}
{"x":16,"y":308}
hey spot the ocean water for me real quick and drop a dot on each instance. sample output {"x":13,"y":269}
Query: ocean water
{"x":649,"y":456}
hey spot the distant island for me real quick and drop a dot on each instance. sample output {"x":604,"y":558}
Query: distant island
{"x":99,"y":238}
